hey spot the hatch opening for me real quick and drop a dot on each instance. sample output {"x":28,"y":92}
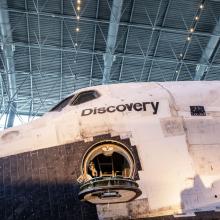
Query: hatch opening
{"x":107,"y":175}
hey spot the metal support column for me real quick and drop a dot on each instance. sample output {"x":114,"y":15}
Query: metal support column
{"x":208,"y":53}
{"x":111,"y":40}
{"x":8,"y":52}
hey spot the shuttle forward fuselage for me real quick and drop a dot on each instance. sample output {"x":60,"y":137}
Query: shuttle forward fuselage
{"x":165,"y":135}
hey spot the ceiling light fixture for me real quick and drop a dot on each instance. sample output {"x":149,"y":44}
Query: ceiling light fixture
{"x":191,"y":30}
{"x":201,"y":6}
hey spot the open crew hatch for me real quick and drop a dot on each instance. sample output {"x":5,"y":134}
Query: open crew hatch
{"x":108,"y":159}
{"x":108,"y":170}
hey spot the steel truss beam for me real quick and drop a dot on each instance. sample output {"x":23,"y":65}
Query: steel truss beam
{"x":94,"y":41}
{"x":187,"y":43}
{"x":126,"y":40}
{"x":168,"y":3}
{"x":98,"y":52}
{"x":93,"y":20}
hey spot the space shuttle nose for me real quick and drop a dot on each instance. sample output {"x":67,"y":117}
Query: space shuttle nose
{"x":108,"y":175}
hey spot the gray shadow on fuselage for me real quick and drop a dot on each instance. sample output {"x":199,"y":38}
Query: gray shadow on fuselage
{"x":195,"y":200}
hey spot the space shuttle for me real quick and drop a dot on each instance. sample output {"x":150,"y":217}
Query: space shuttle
{"x":120,"y":151}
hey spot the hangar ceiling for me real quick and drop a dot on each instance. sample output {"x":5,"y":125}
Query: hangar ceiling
{"x":50,"y":48}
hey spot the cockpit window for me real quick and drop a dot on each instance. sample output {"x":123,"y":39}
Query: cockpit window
{"x":79,"y":99}
{"x":85,"y":97}
{"x":61,"y":104}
